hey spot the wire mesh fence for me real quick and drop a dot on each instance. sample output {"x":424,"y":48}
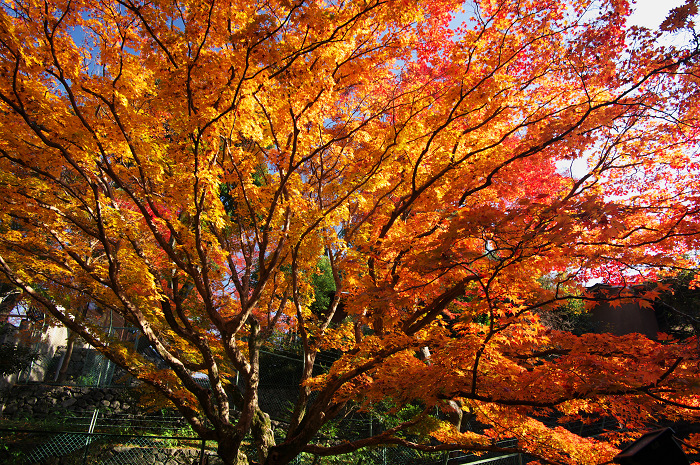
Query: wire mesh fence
{"x":44,"y":448}
{"x":106,"y":439}
{"x":36,"y":447}
{"x":114,"y":438}
{"x":100,"y":437}
{"x":404,"y":456}
{"x":166,"y":440}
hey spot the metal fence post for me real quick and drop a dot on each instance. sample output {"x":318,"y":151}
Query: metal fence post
{"x":91,"y":429}
{"x":202,"y":457}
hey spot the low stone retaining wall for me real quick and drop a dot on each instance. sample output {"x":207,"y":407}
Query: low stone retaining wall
{"x":38,"y":401}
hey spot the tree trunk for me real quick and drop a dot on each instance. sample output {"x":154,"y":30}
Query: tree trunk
{"x":263,"y":435}
{"x":284,"y":453}
{"x":231,"y":454}
{"x":63,"y":370}
{"x":279,"y":456}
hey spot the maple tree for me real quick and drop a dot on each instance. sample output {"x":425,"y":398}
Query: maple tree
{"x":192,"y":166}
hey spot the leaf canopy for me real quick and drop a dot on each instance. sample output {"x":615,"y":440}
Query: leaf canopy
{"x":186,"y":165}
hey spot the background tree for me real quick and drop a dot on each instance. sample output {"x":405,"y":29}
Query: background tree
{"x":14,"y":358}
{"x":10,"y":296}
{"x":432,"y":167}
{"x":677,"y":308}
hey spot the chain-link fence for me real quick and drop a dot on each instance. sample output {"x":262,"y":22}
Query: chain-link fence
{"x":105,"y":439}
{"x":34,"y":447}
{"x":404,"y":456}
{"x":113,"y":438}
{"x":165,"y":439}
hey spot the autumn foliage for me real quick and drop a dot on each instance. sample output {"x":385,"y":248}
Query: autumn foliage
{"x":186,"y":165}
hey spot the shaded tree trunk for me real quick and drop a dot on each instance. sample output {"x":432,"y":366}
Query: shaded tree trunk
{"x":231,"y":454}
{"x":263,"y":435}
{"x":63,"y":370}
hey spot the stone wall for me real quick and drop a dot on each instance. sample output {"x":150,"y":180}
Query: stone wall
{"x":39,"y":401}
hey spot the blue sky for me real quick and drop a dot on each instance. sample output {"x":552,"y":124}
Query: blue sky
{"x":650,"y":13}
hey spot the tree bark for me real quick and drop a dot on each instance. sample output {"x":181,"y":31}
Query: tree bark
{"x":263,"y":435}
{"x":63,"y":370}
{"x":230,"y":452}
